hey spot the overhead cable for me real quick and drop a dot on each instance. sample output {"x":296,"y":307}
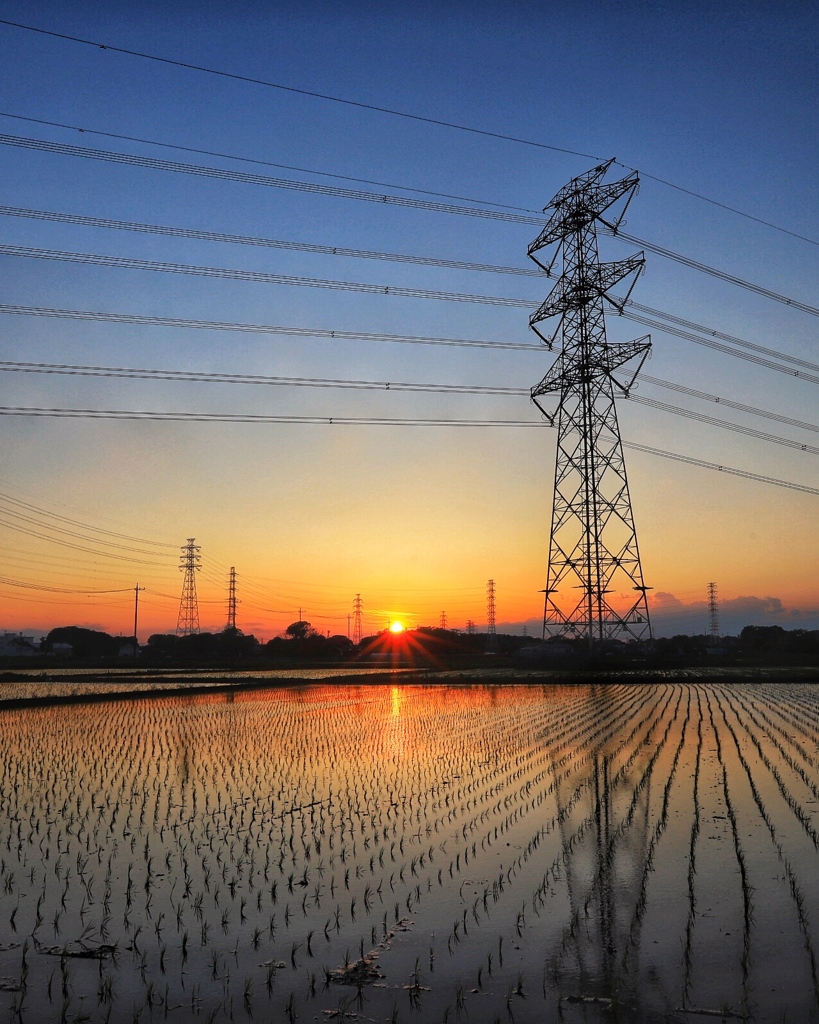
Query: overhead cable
{"x":60,"y":590}
{"x":258,"y":276}
{"x":714,"y":421}
{"x":687,"y":261}
{"x":295,"y":332}
{"x":269,"y":243}
{"x":711,"y":333}
{"x":720,"y":468}
{"x":334,"y":335}
{"x":382,"y":421}
{"x":29,"y":507}
{"x":301,"y":186}
{"x":769,"y":364}
{"x":152,"y":163}
{"x":33,"y":521}
{"x":200,"y":377}
{"x":718,"y":400}
{"x":300,"y":92}
{"x":263,"y":277}
{"x":438,"y":122}
{"x":266,"y":163}
{"x":78,"y":547}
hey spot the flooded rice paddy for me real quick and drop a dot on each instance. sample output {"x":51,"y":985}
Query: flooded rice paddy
{"x":425,"y":853}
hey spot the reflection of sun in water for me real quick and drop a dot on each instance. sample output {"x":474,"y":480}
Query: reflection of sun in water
{"x":396,"y":627}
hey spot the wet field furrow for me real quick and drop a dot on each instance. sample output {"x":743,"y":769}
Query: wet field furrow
{"x":421,"y":853}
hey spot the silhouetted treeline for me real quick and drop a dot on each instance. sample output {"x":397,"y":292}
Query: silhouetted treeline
{"x":427,"y":647}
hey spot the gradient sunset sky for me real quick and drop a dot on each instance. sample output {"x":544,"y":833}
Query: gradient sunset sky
{"x":719,"y":99}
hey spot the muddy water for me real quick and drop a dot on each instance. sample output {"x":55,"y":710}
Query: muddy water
{"x":627,"y":853}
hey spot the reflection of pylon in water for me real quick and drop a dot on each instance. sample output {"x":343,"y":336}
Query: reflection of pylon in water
{"x":358,"y":606}
{"x":602,"y":873}
{"x":491,"y":638}
{"x":188,"y":620}
{"x":593,"y":550}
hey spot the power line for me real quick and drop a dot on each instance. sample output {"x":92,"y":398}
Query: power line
{"x":472,"y":130}
{"x":84,"y":526}
{"x":200,"y":170}
{"x":711,"y":333}
{"x":300,"y":92}
{"x":720,"y":468}
{"x":60,"y":590}
{"x":214,"y":172}
{"x":77,"y":547}
{"x":264,"y":163}
{"x":269,"y":243}
{"x":198,"y":377}
{"x":334,"y":335}
{"x":713,"y":421}
{"x":721,"y":275}
{"x":256,"y":276}
{"x":383,"y":421}
{"x":397,"y":291}
{"x":296,"y":332}
{"x":747,"y":356}
{"x":22,"y":517}
{"x":739,"y":406}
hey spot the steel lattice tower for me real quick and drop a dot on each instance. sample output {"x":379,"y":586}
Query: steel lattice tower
{"x":491,"y":637}
{"x":358,"y":607}
{"x":232,"y":602}
{"x":188,"y":619}
{"x":713,"y":613}
{"x":593,"y":543}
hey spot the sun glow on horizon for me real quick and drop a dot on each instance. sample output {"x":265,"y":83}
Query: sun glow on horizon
{"x":396,"y":627}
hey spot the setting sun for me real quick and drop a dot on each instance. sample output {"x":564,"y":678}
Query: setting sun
{"x":396,"y":627}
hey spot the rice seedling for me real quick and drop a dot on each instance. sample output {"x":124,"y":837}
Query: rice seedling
{"x":514,"y":811}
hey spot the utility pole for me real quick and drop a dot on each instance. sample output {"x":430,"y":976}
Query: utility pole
{"x":188,"y":619}
{"x":593,"y":542}
{"x":137,"y":589}
{"x":713,"y":614}
{"x":443,"y":621}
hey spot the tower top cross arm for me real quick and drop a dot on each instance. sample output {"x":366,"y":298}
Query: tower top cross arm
{"x":583,"y":201}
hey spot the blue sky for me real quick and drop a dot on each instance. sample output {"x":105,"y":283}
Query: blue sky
{"x":718,"y":99}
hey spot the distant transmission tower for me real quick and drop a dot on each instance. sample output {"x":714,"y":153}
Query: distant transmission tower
{"x":188,"y":619}
{"x":443,"y":624}
{"x":358,"y":607}
{"x":593,"y":543}
{"x":231,"y":618}
{"x":470,"y":627}
{"x":713,"y":613}
{"x":491,"y":638}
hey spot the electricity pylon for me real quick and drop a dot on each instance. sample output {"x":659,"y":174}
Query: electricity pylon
{"x":358,"y":608}
{"x":491,"y":636}
{"x":593,"y":543}
{"x":713,"y":614}
{"x":188,"y":619}
{"x":232,"y":602}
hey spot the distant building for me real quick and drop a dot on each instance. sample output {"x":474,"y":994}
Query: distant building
{"x":16,"y":645}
